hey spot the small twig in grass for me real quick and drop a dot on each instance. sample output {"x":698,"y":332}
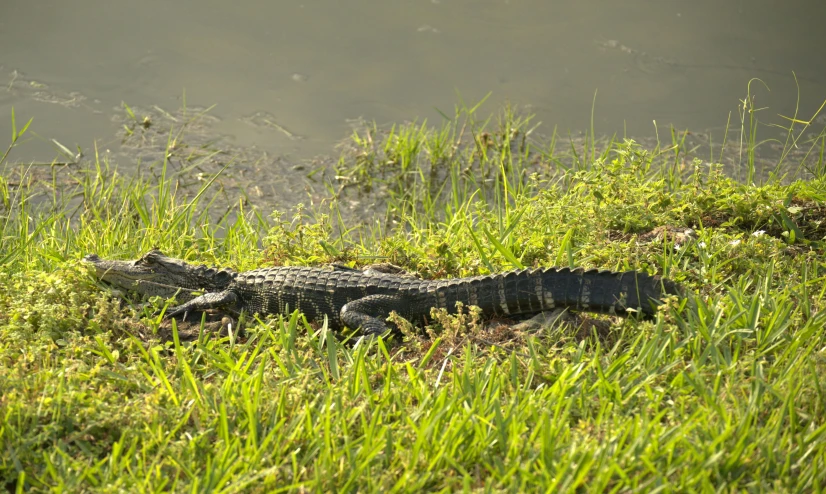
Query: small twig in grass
{"x":282,"y":129}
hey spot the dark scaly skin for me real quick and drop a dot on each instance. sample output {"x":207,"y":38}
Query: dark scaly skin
{"x":364,"y":299}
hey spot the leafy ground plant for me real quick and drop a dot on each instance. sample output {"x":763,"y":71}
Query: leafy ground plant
{"x":725,"y":393}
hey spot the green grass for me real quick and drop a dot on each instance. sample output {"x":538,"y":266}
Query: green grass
{"x":726,"y":395}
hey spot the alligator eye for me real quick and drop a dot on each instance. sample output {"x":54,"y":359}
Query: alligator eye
{"x":148,"y":258}
{"x":154,"y":254}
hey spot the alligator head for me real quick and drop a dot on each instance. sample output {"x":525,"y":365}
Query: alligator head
{"x":157,"y":274}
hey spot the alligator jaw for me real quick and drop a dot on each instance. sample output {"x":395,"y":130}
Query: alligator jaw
{"x":127,"y":275}
{"x":155,"y":274}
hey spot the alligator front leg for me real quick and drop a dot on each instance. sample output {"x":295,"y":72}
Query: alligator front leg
{"x":370,"y":313}
{"x":206,"y":301}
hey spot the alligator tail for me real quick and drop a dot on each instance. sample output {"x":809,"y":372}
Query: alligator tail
{"x":536,"y":290}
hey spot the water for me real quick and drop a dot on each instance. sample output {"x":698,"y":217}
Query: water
{"x":290,"y":77}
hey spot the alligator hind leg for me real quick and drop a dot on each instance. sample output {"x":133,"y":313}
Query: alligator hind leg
{"x":377,"y":269}
{"x":369,"y":313}
{"x":388,"y":268}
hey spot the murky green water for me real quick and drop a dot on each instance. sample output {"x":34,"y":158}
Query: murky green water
{"x":292,"y":77}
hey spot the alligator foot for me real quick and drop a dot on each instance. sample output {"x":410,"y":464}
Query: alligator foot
{"x":215,"y":322}
{"x":545,"y":320}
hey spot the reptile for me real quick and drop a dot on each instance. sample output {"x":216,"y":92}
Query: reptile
{"x":364,"y":299}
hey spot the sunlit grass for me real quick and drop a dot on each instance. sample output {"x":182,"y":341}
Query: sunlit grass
{"x":724,"y":394}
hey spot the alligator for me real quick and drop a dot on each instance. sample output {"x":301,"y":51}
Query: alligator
{"x":364,"y":299}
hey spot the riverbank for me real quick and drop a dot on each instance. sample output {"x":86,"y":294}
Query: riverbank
{"x":98,"y":395}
